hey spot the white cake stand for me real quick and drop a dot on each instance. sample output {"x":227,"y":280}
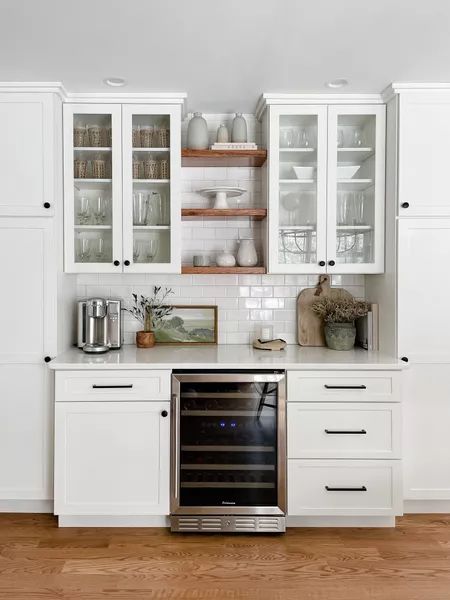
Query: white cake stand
{"x":221,"y":194}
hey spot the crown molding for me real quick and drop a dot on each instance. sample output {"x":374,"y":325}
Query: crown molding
{"x":269,"y":99}
{"x":136,"y":97}
{"x":50,"y":87}
{"x":416,"y":87}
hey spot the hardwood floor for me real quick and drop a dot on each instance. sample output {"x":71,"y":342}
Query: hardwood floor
{"x":40,"y":561}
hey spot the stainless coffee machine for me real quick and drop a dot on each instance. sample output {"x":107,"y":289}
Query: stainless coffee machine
{"x":99,"y":325}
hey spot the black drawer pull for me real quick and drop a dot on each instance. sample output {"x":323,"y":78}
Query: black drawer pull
{"x":111,"y":387}
{"x":346,"y":489}
{"x":345,"y":387}
{"x":346,"y":432}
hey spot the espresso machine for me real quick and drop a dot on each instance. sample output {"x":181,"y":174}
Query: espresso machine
{"x":99,"y":325}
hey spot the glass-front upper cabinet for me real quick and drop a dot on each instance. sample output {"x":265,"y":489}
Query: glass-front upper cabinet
{"x":297,"y":215}
{"x":356,"y":188}
{"x":92,"y":188}
{"x":151,"y":163}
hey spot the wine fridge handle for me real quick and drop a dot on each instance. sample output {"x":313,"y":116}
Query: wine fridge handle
{"x":176,"y":444}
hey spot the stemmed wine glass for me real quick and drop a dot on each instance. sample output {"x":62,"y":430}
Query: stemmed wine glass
{"x":84,"y":249}
{"x":136,"y":250}
{"x":151,"y":250}
{"x":83,"y":210}
{"x":99,"y":210}
{"x":99,"y":248}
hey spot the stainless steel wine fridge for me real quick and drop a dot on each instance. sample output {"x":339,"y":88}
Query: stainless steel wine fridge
{"x":228,"y":451}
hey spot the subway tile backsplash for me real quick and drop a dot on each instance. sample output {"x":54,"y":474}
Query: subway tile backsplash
{"x":245,"y":302}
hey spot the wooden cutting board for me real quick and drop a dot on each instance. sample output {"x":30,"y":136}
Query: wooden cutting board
{"x":309,"y":325}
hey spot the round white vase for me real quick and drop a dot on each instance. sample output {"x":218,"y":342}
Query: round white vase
{"x":239,"y":129}
{"x":197,"y":133}
{"x":246,"y":256}
{"x":225,"y":259}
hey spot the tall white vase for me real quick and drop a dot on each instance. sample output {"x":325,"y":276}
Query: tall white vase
{"x":246,"y":256}
{"x":239,"y":129}
{"x":197,"y":133}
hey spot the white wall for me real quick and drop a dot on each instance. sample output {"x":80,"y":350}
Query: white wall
{"x":244,"y":301}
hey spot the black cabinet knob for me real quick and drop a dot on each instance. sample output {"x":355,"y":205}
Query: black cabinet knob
{"x":405,"y":204}
{"x":404,"y":359}
{"x":116,"y":263}
{"x":46,"y":204}
{"x":126,"y":263}
{"x":47,"y":358}
{"x":321,"y":263}
{"x":164,"y":413}
{"x":331,"y":263}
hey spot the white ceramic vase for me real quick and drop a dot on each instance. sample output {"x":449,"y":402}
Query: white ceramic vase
{"x":197,"y":133}
{"x":246,"y":256}
{"x":222,"y":134}
{"x":225,"y":259}
{"x":239,"y":129}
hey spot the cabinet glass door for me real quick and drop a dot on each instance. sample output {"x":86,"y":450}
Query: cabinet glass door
{"x":297,"y":189}
{"x":151,"y":145}
{"x":93,"y":222}
{"x":356,"y":166}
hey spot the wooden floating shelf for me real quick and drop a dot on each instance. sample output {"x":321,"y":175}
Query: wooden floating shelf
{"x":256,"y":213}
{"x":223,"y":158}
{"x":187,"y":270}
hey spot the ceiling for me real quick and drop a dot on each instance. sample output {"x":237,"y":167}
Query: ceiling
{"x":225,"y":54}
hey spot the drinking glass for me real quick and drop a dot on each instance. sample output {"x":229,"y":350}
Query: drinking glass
{"x":154,"y":209}
{"x":84,"y":249}
{"x":79,"y":136}
{"x":343,"y":208}
{"x":357,"y":138}
{"x":303,"y":139}
{"x":136,"y":137}
{"x":340,"y":138}
{"x":357,"y":208}
{"x":83,"y":210}
{"x":136,"y":250}
{"x":287,"y":137}
{"x":99,"y":248}
{"x":99,"y":210}
{"x":150,"y":168}
{"x":96,"y":136}
{"x":79,"y":168}
{"x":140,"y":208}
{"x":151,"y":250}
{"x":146,"y":136}
{"x":98,"y":168}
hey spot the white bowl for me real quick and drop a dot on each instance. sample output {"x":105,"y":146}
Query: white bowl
{"x":305,"y":172}
{"x":347,"y":172}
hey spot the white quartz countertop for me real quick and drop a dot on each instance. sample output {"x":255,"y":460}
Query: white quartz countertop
{"x":225,"y":357}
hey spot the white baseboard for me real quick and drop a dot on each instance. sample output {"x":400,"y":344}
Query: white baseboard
{"x":340,"y":521}
{"x":112,"y":521}
{"x":26,"y":506}
{"x":426,"y":506}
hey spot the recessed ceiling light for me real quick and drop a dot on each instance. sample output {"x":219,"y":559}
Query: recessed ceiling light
{"x":336,"y":83}
{"x":114,"y":81}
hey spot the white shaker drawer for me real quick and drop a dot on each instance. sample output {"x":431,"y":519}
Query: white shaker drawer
{"x":343,"y":386}
{"x":344,"y":487}
{"x":343,"y":430}
{"x":98,"y":386}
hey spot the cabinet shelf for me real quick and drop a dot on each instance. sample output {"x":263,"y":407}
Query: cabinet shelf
{"x":150,"y":227}
{"x":256,"y":213}
{"x":189,"y":270}
{"x":92,"y":227}
{"x":354,"y":155}
{"x":151,"y":149}
{"x":92,"y":149}
{"x":356,"y":184}
{"x":223,"y":158}
{"x":307,"y":150}
{"x":151,"y":180}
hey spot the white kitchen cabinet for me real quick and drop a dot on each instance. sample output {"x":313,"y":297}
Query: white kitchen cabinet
{"x":344,"y":487}
{"x":426,"y":418}
{"x":28,"y":277}
{"x":121,"y":173}
{"x":424,"y":131}
{"x":27,"y":149}
{"x":26,"y":426}
{"x":112,"y":458}
{"x":423,"y":254}
{"x":326,"y":187}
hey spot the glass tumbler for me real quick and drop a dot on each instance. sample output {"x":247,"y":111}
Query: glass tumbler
{"x":96,"y":136}
{"x":136,"y":137}
{"x":150,"y":168}
{"x":146,"y":136}
{"x":140,"y":208}
{"x":79,"y":137}
{"x":98,"y":168}
{"x":79,"y":168}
